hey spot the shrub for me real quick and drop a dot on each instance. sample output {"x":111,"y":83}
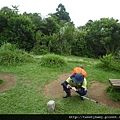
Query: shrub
{"x":40,"y":50}
{"x":52,"y":60}
{"x":107,"y":60}
{"x":116,"y":65}
{"x":9,"y":54}
{"x":117,"y":55}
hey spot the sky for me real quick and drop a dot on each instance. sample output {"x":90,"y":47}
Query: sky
{"x":80,"y":11}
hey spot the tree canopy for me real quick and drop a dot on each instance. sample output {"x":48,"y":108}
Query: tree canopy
{"x":57,"y":33}
{"x":62,"y":14}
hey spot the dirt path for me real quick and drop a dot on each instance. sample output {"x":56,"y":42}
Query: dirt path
{"x":9,"y":81}
{"x":96,"y":91}
{"x":54,"y":89}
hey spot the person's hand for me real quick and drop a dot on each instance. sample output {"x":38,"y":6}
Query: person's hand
{"x":74,"y":88}
{"x":68,"y":86}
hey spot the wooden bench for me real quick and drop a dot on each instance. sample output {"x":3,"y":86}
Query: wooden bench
{"x":115,"y":83}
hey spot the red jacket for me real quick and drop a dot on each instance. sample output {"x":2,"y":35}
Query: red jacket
{"x":79,"y":70}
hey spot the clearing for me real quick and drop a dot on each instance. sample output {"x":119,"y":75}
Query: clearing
{"x":54,"y":90}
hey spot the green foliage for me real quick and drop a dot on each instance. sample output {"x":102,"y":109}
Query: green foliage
{"x":62,"y":14}
{"x":116,"y":65}
{"x":36,"y":19}
{"x":21,"y":32}
{"x":9,"y":54}
{"x":117,"y":55}
{"x":16,"y":29}
{"x":109,"y":62}
{"x":65,"y":38}
{"x":49,"y":25}
{"x":103,"y":36}
{"x":40,"y":49}
{"x":79,"y":44}
{"x":46,"y":44}
{"x":57,"y":34}
{"x":51,"y":60}
{"x":114,"y":94}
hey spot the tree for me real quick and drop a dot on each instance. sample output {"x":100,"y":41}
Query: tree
{"x":5,"y":14}
{"x":3,"y":22}
{"x":103,"y":36}
{"x":35,"y":18}
{"x":7,"y":11}
{"x":79,"y":44}
{"x":65,"y":36}
{"x":15,"y":9}
{"x":17,"y":29}
{"x":50,"y":25}
{"x":62,"y":14}
{"x":21,"y":32}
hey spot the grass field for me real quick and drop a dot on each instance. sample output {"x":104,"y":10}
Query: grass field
{"x":26,"y":96}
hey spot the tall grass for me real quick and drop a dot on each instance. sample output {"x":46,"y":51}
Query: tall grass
{"x":51,"y":60}
{"x":9,"y":54}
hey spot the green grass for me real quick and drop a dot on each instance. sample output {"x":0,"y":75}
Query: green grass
{"x":113,"y":93}
{"x":27,"y":95}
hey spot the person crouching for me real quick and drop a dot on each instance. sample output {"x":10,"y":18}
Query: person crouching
{"x":78,"y":83}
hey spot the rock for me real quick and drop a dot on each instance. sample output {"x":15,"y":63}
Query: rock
{"x":51,"y":105}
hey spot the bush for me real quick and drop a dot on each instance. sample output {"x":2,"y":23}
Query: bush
{"x":109,"y":61}
{"x":114,"y":94}
{"x":51,"y":60}
{"x":117,"y":55}
{"x":116,"y":65}
{"x":9,"y":54}
{"x":40,"y":50}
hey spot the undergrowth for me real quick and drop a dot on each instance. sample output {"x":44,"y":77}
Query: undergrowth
{"x":52,"y":60}
{"x":113,"y":93}
{"x":9,"y":54}
{"x":110,"y":62}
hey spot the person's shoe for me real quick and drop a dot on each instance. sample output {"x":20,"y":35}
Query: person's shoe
{"x":81,"y":98}
{"x":67,"y":95}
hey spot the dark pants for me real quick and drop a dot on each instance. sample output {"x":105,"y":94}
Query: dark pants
{"x":81,"y":91}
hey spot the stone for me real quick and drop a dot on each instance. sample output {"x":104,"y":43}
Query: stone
{"x":51,"y":105}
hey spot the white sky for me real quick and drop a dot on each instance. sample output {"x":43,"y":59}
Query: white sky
{"x":80,"y":11}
